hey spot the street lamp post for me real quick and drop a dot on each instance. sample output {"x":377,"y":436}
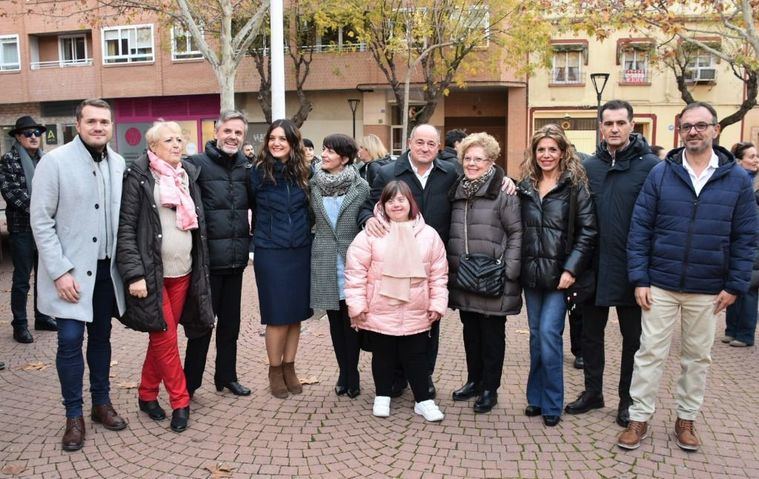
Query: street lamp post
{"x":353,"y":103}
{"x":599,"y":83}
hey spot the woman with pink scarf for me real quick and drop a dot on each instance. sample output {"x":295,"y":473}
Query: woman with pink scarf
{"x":396,"y":288}
{"x":163,"y":260}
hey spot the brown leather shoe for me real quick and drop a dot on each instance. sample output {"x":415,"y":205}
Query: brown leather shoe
{"x":291,"y":379}
{"x":108,"y":417}
{"x":631,"y":437}
{"x":277,"y":382}
{"x":73,"y":438}
{"x":685,"y":435}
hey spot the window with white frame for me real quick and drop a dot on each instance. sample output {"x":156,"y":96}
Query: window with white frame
{"x":701,"y":67}
{"x":475,"y":18}
{"x":9,"y":53}
{"x":183,"y":44}
{"x":73,"y":49}
{"x":635,"y":65}
{"x":128,"y":44}
{"x":567,"y":67}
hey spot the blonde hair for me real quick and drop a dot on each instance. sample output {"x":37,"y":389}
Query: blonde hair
{"x":152,"y":135}
{"x":373,"y":145}
{"x":486,"y":142}
{"x":568,"y":162}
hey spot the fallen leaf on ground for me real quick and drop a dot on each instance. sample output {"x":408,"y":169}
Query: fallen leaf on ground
{"x":220,"y":471}
{"x":265,"y":361}
{"x":309,"y":380}
{"x":35,"y":366}
{"x":13,"y":469}
{"x":523,"y":331}
{"x":114,"y":363}
{"x":127,"y":385}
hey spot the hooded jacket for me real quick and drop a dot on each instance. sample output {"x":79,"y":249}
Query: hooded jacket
{"x":363,"y":277}
{"x":689,"y":243}
{"x":614,"y":186}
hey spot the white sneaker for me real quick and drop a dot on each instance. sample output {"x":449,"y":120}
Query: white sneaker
{"x":429,"y":410}
{"x":381,"y":406}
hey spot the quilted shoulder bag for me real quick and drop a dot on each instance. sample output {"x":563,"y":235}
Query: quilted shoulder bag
{"x":479,"y":273}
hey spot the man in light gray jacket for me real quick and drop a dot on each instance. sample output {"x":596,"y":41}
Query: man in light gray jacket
{"x":74,"y":217}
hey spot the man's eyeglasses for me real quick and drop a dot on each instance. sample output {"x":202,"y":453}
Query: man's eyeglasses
{"x":700,"y":127}
{"x":31,"y":133}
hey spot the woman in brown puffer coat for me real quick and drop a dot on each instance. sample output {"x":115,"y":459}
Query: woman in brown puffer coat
{"x":484,"y":220}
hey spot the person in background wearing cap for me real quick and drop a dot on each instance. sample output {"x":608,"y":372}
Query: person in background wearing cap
{"x":16,"y":172}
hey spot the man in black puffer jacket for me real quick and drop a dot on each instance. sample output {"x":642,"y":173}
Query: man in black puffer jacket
{"x":616,"y":174}
{"x":223,"y":183}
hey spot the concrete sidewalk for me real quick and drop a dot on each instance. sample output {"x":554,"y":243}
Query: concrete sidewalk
{"x":317,"y":434}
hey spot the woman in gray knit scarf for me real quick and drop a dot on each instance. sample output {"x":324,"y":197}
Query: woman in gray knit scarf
{"x":337,"y":193}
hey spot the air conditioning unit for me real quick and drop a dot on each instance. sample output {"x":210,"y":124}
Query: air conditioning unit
{"x":701,"y":75}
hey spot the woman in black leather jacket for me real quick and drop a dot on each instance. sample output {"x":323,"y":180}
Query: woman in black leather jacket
{"x":551,"y":175}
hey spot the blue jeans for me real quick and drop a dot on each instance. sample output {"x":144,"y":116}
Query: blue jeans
{"x":545,"y":384}
{"x":24,"y":256}
{"x":741,"y":317}
{"x":69,"y":360}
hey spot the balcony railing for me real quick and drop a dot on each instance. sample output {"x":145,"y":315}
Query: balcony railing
{"x":634,"y":76}
{"x":61,"y":64}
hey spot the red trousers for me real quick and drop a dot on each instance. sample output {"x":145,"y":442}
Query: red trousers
{"x":162,"y":361}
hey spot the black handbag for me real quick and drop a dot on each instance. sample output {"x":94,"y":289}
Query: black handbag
{"x":584,"y":288}
{"x":479,"y":273}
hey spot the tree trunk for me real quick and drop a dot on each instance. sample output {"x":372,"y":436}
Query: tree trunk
{"x":226,"y":87}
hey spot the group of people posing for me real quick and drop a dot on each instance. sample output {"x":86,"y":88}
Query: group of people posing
{"x":386,"y":247}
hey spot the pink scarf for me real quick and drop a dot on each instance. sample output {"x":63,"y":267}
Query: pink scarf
{"x":403,"y":263}
{"x":173,"y":193}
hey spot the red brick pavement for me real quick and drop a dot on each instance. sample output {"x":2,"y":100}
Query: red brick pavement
{"x":317,"y":434}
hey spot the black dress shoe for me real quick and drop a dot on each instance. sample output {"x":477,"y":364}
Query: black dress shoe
{"x":532,"y":411}
{"x":235,"y":388}
{"x":588,"y":400}
{"x":45,"y":324}
{"x":179,"y":419}
{"x":486,"y":401}
{"x":579,"y":363}
{"x":353,"y":392}
{"x":623,"y":414}
{"x":340,"y":390}
{"x":431,"y":388}
{"x":467,"y":391}
{"x":22,"y":335}
{"x":551,"y":421}
{"x":152,"y":409}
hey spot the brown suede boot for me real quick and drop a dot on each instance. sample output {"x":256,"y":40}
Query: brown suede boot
{"x":277,"y":382}
{"x":291,"y":379}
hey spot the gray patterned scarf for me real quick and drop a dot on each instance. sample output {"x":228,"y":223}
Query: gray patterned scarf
{"x":470,"y":187}
{"x":335,"y":185}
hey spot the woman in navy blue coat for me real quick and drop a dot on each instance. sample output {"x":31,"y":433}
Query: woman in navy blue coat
{"x":282,"y":238}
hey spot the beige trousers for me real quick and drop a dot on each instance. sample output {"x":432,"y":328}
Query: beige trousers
{"x":697,"y":326}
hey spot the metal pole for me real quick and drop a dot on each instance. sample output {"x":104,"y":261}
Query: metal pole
{"x":598,"y":121}
{"x":277,"y":60}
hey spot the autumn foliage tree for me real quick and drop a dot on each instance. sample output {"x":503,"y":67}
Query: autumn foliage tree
{"x":444,"y":41}
{"x":725,"y":29}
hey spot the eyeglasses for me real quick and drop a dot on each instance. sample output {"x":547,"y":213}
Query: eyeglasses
{"x":700,"y":127}
{"x":479,"y":161}
{"x":30,"y":133}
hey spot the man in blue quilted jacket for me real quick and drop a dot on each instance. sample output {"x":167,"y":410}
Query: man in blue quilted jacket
{"x":690,"y":250}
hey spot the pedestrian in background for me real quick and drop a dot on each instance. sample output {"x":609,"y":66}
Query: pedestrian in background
{"x":372,"y":155}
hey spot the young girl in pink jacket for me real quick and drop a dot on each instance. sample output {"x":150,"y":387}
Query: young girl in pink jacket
{"x":396,"y":288}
